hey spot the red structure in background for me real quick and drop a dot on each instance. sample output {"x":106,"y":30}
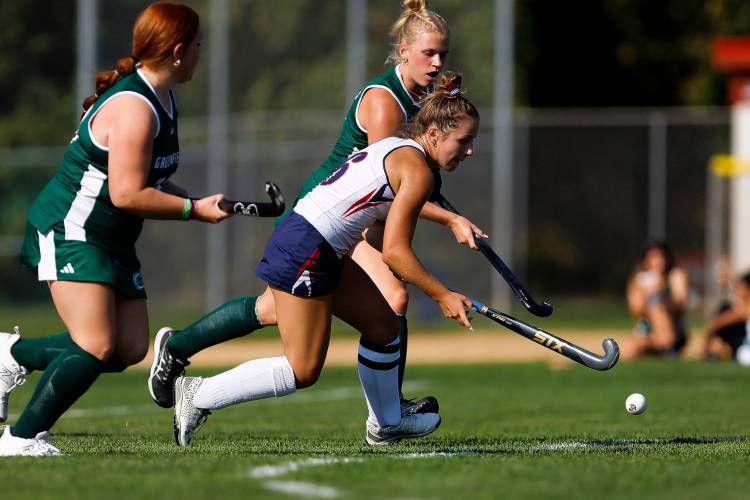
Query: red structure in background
{"x":732,"y":55}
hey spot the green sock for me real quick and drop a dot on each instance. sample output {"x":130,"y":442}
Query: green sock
{"x":403,"y":335}
{"x":231,"y":320}
{"x":63,"y":382}
{"x":37,"y":354}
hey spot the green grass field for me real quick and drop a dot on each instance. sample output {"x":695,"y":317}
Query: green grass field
{"x":581,"y":313}
{"x":509,"y":431}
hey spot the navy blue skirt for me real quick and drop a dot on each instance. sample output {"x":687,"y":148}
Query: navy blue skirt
{"x":298,"y":260}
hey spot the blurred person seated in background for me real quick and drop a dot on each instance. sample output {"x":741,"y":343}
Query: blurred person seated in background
{"x":728,"y":333}
{"x":657,"y":294}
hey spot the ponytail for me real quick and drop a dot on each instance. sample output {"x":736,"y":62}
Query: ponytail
{"x":105,"y":79}
{"x":443,"y":108}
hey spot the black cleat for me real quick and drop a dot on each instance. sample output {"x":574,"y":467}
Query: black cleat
{"x":164,"y":370}
{"x":427,"y":404}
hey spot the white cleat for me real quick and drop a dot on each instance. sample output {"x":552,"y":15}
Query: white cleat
{"x":187,"y":418}
{"x":39,"y":446}
{"x":11,"y":373}
{"x":411,"y":426}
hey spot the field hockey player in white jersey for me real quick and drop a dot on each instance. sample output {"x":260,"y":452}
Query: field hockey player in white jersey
{"x":312,"y":277}
{"x":380,"y":108}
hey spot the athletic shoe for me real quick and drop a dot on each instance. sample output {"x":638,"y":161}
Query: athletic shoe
{"x":411,"y":426}
{"x":427,"y":404}
{"x":187,"y":418}
{"x":11,"y":373}
{"x":164,"y":370}
{"x":38,"y":446}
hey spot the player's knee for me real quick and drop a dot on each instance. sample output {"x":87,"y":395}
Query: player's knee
{"x":306,"y":370}
{"x":102,"y":351}
{"x":307,"y":375}
{"x":134,"y":354}
{"x":382,"y":332}
{"x":266,"y":309}
{"x":398,"y":299}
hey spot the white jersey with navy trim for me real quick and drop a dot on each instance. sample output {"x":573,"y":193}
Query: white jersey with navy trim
{"x":354,"y":196}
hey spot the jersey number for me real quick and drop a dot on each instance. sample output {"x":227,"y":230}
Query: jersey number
{"x":356,"y":158}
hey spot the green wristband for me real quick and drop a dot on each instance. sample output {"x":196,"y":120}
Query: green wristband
{"x":187,"y":207}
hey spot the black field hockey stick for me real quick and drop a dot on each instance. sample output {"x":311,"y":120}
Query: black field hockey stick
{"x":544,"y":309}
{"x":274,"y":208}
{"x":553,"y":342}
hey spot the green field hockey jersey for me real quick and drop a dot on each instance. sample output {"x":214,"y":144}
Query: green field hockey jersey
{"x":77,"y":197}
{"x":353,"y":137}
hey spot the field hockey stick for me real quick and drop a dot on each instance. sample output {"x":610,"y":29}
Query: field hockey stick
{"x":553,"y":342}
{"x":273,"y":208}
{"x":544,"y":309}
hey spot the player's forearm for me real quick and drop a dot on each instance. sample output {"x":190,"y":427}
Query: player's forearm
{"x":407,"y":266}
{"x":434,"y":213}
{"x":150,"y":203}
{"x":170,"y":187}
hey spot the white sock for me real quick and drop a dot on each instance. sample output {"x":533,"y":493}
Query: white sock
{"x":256,"y":379}
{"x":378,"y":372}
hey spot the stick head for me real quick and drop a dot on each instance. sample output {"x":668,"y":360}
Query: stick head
{"x":611,"y":353}
{"x":542,"y":310}
{"x":274,"y":193}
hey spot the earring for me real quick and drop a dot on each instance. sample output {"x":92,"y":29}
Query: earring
{"x":177,"y":62}
{"x":434,"y":142}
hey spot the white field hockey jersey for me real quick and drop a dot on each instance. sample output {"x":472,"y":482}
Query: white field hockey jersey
{"x":354,"y":196}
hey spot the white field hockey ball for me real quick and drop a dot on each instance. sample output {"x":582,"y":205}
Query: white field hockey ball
{"x":743,"y":355}
{"x":636,"y":404}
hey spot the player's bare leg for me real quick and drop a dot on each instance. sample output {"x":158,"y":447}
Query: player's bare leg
{"x":305,"y":332}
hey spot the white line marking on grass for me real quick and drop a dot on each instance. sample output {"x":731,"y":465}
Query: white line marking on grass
{"x":299,"y":487}
{"x":302,"y":489}
{"x":287,"y":467}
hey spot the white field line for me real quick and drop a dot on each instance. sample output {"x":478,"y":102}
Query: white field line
{"x":302,"y":489}
{"x":298,"y":487}
{"x":264,"y":471}
{"x":318,"y":490}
